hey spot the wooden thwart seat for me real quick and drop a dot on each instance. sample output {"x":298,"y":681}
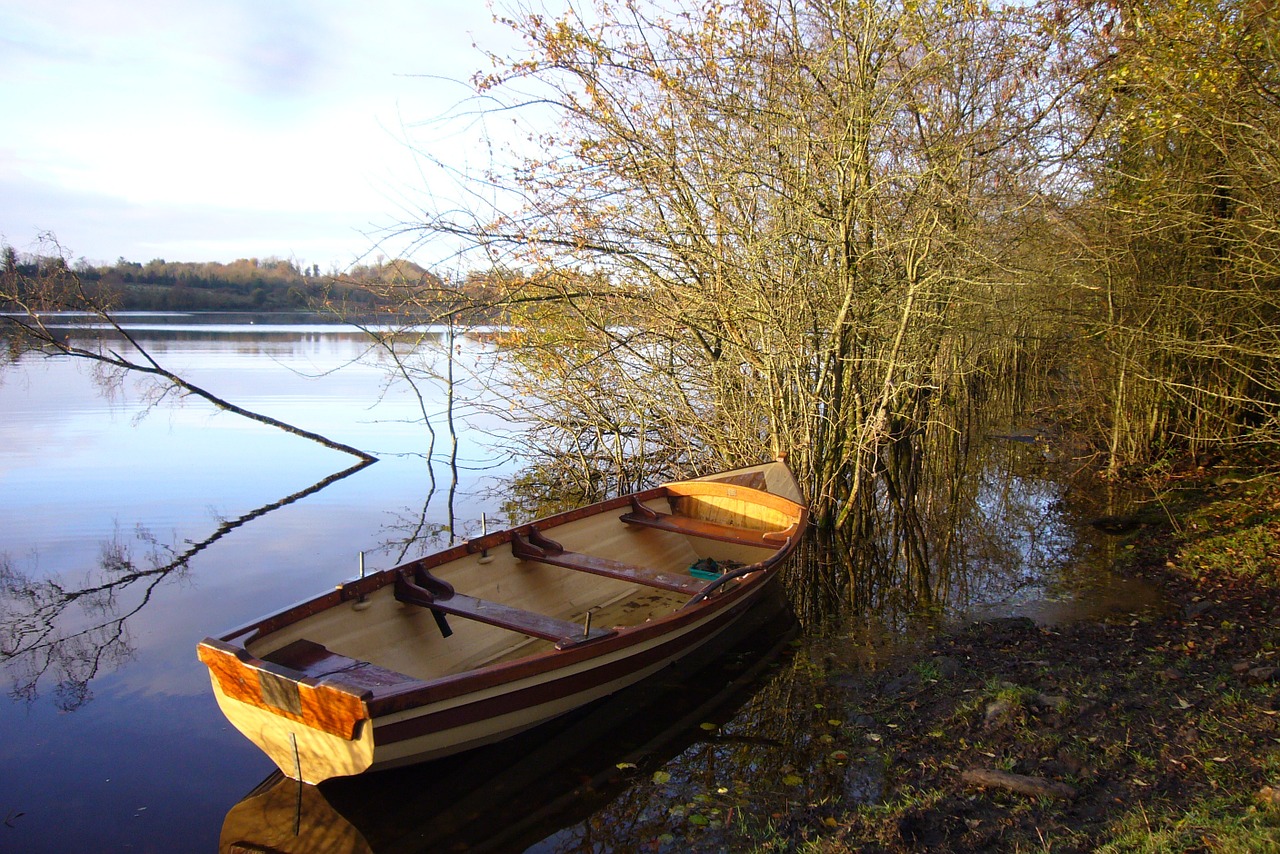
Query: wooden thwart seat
{"x":316,"y":661}
{"x":532,"y":545}
{"x":650,"y":518}
{"x":430,"y":592}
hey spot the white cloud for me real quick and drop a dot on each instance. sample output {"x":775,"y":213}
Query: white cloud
{"x":195,"y":125}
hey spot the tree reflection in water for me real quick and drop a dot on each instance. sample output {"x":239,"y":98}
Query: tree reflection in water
{"x":50,"y":629}
{"x":957,"y":518}
{"x":965,"y":521}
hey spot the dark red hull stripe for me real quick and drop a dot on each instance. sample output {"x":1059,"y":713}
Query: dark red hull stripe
{"x":555,"y":689}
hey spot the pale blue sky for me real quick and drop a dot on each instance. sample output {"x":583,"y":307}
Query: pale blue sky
{"x":210,"y":130}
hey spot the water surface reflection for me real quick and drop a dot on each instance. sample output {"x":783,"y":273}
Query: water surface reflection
{"x":128,"y":532}
{"x":71,"y":631}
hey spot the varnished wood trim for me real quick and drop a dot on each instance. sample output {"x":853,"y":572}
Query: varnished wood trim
{"x":324,"y":706}
{"x":709,"y":530}
{"x":719,"y":489}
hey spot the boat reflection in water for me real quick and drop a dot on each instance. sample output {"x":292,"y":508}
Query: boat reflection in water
{"x":509,"y":796}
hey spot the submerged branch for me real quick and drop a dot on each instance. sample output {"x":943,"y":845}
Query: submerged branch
{"x":58,"y":289}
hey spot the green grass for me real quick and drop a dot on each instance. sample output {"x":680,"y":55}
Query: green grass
{"x":1236,"y":537}
{"x":1225,"y":826}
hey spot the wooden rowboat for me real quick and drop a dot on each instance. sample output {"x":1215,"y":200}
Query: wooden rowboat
{"x":493,"y":636}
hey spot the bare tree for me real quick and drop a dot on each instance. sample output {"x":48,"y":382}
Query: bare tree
{"x":1178,"y":229}
{"x":772,"y":227}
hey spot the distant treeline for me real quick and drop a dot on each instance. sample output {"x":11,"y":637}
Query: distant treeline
{"x":249,"y":284}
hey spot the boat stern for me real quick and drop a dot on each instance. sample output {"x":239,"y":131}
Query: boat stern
{"x":311,"y":729}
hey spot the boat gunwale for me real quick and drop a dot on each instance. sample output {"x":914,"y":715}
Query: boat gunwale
{"x":349,"y":590}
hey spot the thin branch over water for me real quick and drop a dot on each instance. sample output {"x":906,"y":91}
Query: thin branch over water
{"x":57,"y":288}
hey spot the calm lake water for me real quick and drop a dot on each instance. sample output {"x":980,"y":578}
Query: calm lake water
{"x":111,"y":739}
{"x":127,"y":534}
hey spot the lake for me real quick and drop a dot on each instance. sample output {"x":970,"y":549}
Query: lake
{"x":128,"y":532}
{"x":127,"y":535}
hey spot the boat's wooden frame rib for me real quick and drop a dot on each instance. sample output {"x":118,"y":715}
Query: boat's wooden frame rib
{"x":319,"y":712}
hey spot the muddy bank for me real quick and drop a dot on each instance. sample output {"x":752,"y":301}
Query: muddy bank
{"x":1151,"y":731}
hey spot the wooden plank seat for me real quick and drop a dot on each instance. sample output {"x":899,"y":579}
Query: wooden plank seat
{"x":650,"y":518}
{"x":430,"y":592}
{"x":316,"y":661}
{"x":532,"y":545}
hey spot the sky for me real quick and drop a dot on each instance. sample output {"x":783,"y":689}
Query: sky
{"x":211,"y":130}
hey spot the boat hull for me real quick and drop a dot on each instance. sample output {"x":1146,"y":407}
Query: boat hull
{"x":563,"y":771}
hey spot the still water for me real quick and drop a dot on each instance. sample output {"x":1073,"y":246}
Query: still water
{"x":127,"y":534}
{"x":130,"y":528}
